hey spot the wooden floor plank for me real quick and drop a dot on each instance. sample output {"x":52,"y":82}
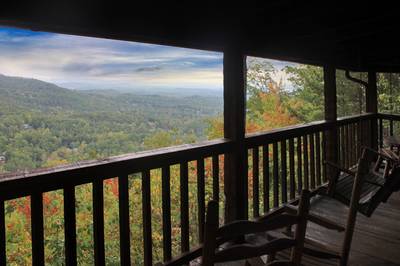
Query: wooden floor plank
{"x":376,"y":239}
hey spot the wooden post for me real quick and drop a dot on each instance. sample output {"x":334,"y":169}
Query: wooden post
{"x":331,"y":138}
{"x":372,"y":107}
{"x":235,"y":174}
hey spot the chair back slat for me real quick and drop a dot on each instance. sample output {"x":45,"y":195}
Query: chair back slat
{"x":210,"y":235}
{"x":235,"y":232}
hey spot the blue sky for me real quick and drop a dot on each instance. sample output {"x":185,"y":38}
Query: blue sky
{"x":78,"y":62}
{"x":87,"y":63}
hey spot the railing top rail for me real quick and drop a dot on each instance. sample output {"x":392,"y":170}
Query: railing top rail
{"x":395,"y":117}
{"x":254,"y":139}
{"x":17,"y":184}
{"x":355,"y":118}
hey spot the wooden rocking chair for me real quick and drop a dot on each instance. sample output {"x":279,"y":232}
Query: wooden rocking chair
{"x":215,"y":249}
{"x":377,"y":185}
{"x":361,"y":189}
{"x":388,"y":158}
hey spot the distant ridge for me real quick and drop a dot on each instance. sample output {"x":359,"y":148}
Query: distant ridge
{"x":34,"y":94}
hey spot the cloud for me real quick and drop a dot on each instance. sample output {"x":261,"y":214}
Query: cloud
{"x":84,"y":61}
{"x":279,"y":74}
{"x":148,"y":69}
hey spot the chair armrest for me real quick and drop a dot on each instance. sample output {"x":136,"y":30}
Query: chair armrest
{"x":338,"y":167}
{"x":379,"y":154}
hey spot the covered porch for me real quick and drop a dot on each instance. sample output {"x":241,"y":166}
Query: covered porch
{"x":250,"y":174}
{"x":288,"y":160}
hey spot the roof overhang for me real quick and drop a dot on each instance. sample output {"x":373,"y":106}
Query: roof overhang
{"x":359,"y":38}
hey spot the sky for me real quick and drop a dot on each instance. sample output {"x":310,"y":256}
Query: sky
{"x":78,"y":62}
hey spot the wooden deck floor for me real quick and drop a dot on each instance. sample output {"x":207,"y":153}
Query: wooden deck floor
{"x":376,"y":240}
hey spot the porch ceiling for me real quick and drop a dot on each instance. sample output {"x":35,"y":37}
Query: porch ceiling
{"x":316,"y":32}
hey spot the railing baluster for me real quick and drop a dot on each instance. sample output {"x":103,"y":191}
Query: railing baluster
{"x":3,"y":258}
{"x":98,"y":221}
{"x":368,"y":132}
{"x":146,"y":208}
{"x":184,"y":207}
{"x":357,"y":141}
{"x":380,"y":132}
{"x":166,"y":212}
{"x":124,"y":230}
{"x":37,"y":228}
{"x":324,"y":175}
{"x":201,"y":197}
{"x":284,"y":171}
{"x":348,"y":146}
{"x":276,"y":174}
{"x":299,"y":166}
{"x":312,"y":161}
{"x":256,"y":186}
{"x":292,"y":182}
{"x":359,"y":138}
{"x":305,"y":152}
{"x":318,"y":157}
{"x":354,"y":143}
{"x":342,"y":147}
{"x":215,"y":173}
{"x":70,"y":225}
{"x":351,"y":145}
{"x":391,"y":126}
{"x":246,"y":184}
{"x":266,"y":177}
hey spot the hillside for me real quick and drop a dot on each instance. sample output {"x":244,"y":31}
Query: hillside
{"x":35,"y":94}
{"x":42,"y":124}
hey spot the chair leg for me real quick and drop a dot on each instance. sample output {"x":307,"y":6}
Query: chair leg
{"x":256,"y":261}
{"x":271,"y":257}
{"x":378,"y":163}
{"x":351,"y":219}
{"x":288,"y":231}
{"x":348,"y":237}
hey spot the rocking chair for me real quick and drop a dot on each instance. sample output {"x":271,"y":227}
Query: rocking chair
{"x":377,"y":185}
{"x":361,"y":189}
{"x":214,"y":250}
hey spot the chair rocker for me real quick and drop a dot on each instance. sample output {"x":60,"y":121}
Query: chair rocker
{"x":226,"y":243}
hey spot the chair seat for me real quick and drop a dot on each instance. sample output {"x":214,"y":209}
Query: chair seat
{"x":371,"y":186}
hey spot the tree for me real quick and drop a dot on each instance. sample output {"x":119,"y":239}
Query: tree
{"x":306,"y":101}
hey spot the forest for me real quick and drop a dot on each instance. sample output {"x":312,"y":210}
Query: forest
{"x":42,"y":125}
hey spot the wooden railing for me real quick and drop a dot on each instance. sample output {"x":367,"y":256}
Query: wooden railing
{"x":292,"y":158}
{"x":280,"y":163}
{"x":388,"y":125}
{"x":35,"y":183}
{"x":353,"y":133}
